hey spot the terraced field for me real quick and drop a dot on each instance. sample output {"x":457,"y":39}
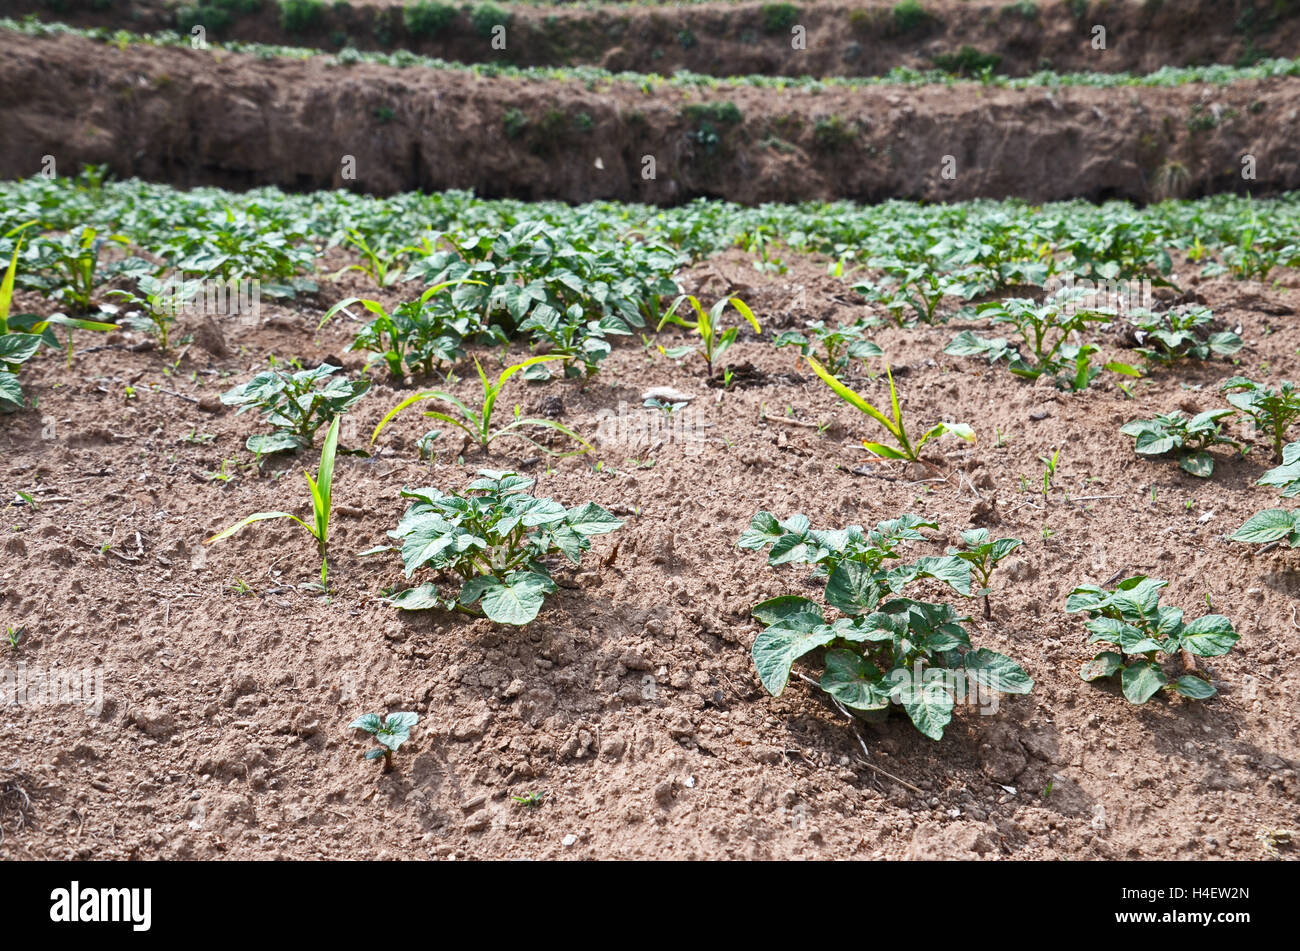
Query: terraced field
{"x":885,"y":456}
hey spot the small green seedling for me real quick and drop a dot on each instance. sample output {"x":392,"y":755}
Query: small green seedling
{"x":530,"y":800}
{"x":377,"y":264}
{"x":321,"y":502}
{"x":416,"y":335}
{"x":714,"y":340}
{"x":1190,"y":439}
{"x":664,"y":407}
{"x":1273,"y":525}
{"x":1181,"y":334}
{"x":390,"y":733}
{"x":1049,"y":469}
{"x":296,"y":404}
{"x":12,"y":636}
{"x":983,"y":557}
{"x":841,"y":345}
{"x":1285,"y":477}
{"x":894,"y":426}
{"x":1131,"y":618}
{"x":1272,"y":411}
{"x":477,"y":423}
{"x":159,"y":302}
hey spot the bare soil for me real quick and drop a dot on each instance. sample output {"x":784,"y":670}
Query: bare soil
{"x":632,"y":701}
{"x":728,"y":39}
{"x":203,"y":117}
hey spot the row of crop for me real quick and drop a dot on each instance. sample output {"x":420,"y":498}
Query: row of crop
{"x":975,"y":246}
{"x":493,"y":540}
{"x":960,"y":67}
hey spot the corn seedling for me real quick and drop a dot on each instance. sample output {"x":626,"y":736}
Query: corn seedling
{"x":390,"y":733}
{"x":714,"y":339}
{"x":1131,"y":618}
{"x":477,"y":423}
{"x":1190,"y":439}
{"x":493,"y":540}
{"x":378,"y":265}
{"x":894,"y":426}
{"x":321,"y":502}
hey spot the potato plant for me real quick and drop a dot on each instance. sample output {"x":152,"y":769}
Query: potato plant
{"x":919,"y":287}
{"x":900,"y":652}
{"x":580,"y":342}
{"x":67,"y":267}
{"x":838,"y":344}
{"x":1271,"y":410}
{"x":158,"y":303}
{"x":296,"y":404}
{"x":1131,"y":618}
{"x":1045,"y":331}
{"x":893,"y":423}
{"x":21,"y":336}
{"x":795,"y":541}
{"x":1181,"y":334}
{"x":417,"y":335}
{"x":983,"y":556}
{"x":390,"y":733}
{"x":493,"y":541}
{"x":1189,"y":439}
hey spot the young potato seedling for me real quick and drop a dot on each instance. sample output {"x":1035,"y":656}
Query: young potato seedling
{"x":390,"y":733}
{"x":1272,"y":411}
{"x":1181,"y":334}
{"x":1045,"y":331}
{"x":570,"y":335}
{"x":66,"y":267}
{"x":322,"y":488}
{"x":894,"y":426}
{"x":1132,"y":618}
{"x":296,"y":404}
{"x":23,"y":334}
{"x":908,"y":285}
{"x":477,"y":423}
{"x":159,"y":303}
{"x":841,"y":344}
{"x":1274,"y":525}
{"x":417,"y":334}
{"x":983,"y":556}
{"x":494,"y":540}
{"x":714,"y":340}
{"x":1190,"y":439}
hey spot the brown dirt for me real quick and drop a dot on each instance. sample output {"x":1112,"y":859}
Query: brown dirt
{"x":199,"y":117}
{"x":728,"y":39}
{"x":632,"y":701}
